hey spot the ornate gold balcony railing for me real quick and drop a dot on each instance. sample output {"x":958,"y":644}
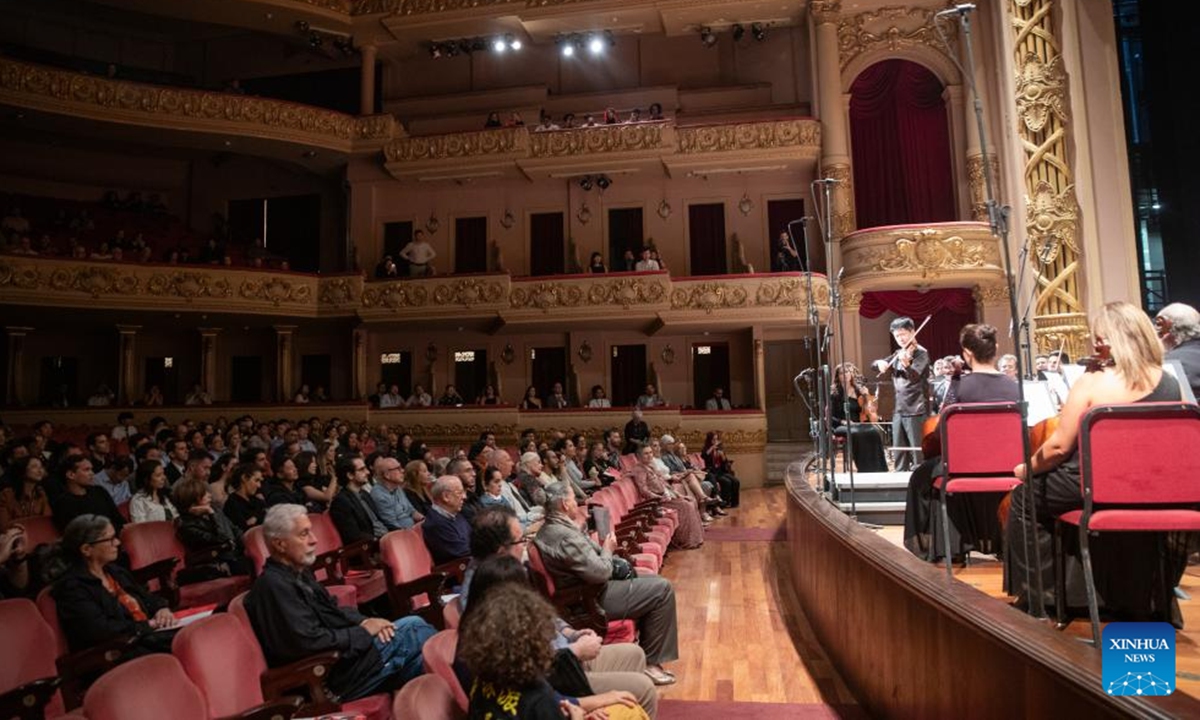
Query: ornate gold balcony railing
{"x":652,"y":297}
{"x":46,"y":89}
{"x":896,"y":257}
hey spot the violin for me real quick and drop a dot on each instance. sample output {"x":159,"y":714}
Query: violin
{"x":907,"y":349}
{"x":868,"y":403}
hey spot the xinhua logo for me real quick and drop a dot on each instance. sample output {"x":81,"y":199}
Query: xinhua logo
{"x":1139,"y":658}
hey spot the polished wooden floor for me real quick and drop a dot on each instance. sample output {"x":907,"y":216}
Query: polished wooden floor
{"x":742,"y":637}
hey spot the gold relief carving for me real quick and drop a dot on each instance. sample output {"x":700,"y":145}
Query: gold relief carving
{"x":890,"y":29}
{"x":851,"y":300}
{"x":336,"y":291}
{"x":825,"y":11}
{"x":1050,"y":221}
{"x":546,"y":296}
{"x":24,"y":277}
{"x":275,"y":290}
{"x":749,"y":136}
{"x":791,"y":292}
{"x":428,"y":7}
{"x":1040,"y":90}
{"x":94,"y":281}
{"x":455,"y":432}
{"x":844,"y":219}
{"x":599,"y":139}
{"x":468,"y":293}
{"x":499,"y":141}
{"x":627,"y":292}
{"x":990,"y":294}
{"x":395,"y":295}
{"x":931,"y":254}
{"x":342,"y":6}
{"x":187,"y":285}
{"x":732,"y":440}
{"x":708,"y":296}
{"x":165,"y":102}
{"x":374,"y":127}
{"x":978,"y":184}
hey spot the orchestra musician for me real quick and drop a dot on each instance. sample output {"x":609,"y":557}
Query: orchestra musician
{"x":864,"y":414}
{"x":1129,"y":582}
{"x":973,"y":522}
{"x":909,"y":369}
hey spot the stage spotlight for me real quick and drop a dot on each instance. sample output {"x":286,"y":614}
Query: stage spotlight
{"x":758,"y":31}
{"x":738,"y":31}
{"x":302,"y":25}
{"x":466,"y":46}
{"x":478,"y":45}
{"x":499,"y":45}
{"x":568,"y":49}
{"x":596,"y":45}
{"x":315,"y":41}
{"x":435,"y":50}
{"x":610,"y":39}
{"x":708,"y":37}
{"x":603,"y":182}
{"x":513,"y":42}
{"x":585,"y":182}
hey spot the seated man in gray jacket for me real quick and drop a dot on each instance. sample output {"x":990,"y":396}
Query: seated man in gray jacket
{"x":573,"y":559}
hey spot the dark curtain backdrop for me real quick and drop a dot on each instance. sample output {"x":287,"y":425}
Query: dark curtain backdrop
{"x":901,"y":140}
{"x":949,"y":308}
{"x":706,"y":227}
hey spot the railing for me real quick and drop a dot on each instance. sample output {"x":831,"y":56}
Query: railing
{"x":55,"y":282}
{"x":921,"y":256}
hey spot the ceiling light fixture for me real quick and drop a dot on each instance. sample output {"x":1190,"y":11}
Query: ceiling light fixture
{"x":499,"y":45}
{"x":738,"y":32}
{"x":708,"y":37}
{"x":758,"y":31}
{"x":595,"y":44}
{"x":585,"y":182}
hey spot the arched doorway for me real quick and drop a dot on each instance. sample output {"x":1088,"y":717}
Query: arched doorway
{"x":901,"y":146}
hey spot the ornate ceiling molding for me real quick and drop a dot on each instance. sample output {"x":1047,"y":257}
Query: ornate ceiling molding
{"x":888,"y":31}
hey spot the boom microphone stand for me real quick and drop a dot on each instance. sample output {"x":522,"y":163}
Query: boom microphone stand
{"x":819,"y":427}
{"x":998,"y":220}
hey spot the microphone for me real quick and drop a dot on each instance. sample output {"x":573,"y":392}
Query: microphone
{"x":961,"y":9}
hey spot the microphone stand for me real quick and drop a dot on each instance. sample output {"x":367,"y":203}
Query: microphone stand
{"x":823,"y":437}
{"x":998,"y":220}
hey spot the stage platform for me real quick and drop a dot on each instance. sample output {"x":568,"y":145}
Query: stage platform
{"x":912,"y":643}
{"x":875,"y":497}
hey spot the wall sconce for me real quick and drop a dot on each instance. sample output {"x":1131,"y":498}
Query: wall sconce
{"x":508,"y":354}
{"x":745,"y":205}
{"x":507,"y":221}
{"x":584,"y":214}
{"x":432,"y":224}
{"x":431,"y":353}
{"x":668,"y":355}
{"x":585,"y":351}
{"x":664,"y":209}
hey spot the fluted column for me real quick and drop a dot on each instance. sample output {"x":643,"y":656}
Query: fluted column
{"x":284,"y":361}
{"x":127,"y":380}
{"x":835,"y":126}
{"x":208,"y":360}
{"x":14,"y":380}
{"x":367,"y":85}
{"x":760,"y":369}
{"x":358,"y":359}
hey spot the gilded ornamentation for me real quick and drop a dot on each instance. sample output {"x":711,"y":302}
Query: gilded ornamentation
{"x":188,"y":285}
{"x":766,"y":135}
{"x":735,"y":440}
{"x":36,"y":86}
{"x":627,"y":292}
{"x":930,"y":253}
{"x":890,"y":29}
{"x":337,"y":291}
{"x":342,"y":6}
{"x":825,"y":11}
{"x":24,"y":277}
{"x":844,"y":219}
{"x":94,"y":281}
{"x":990,"y":294}
{"x":275,"y":290}
{"x":546,"y":296}
{"x":429,"y":7}
{"x":1050,"y":221}
{"x":458,"y":432}
{"x":468,"y":293}
{"x":708,"y":296}
{"x":500,"y":141}
{"x":395,"y":295}
{"x":1040,"y":90}
{"x":375,"y":127}
{"x":792,"y":292}
{"x":978,"y":184}
{"x":599,"y":139}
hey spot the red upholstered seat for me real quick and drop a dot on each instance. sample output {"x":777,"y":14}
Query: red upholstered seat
{"x":452,"y":613}
{"x":579,"y":606}
{"x":256,"y":550}
{"x":147,"y":688}
{"x":1130,"y":484}
{"x":30,"y":650}
{"x":39,"y":530}
{"x":368,"y":583}
{"x":428,"y":697}
{"x":414,"y":584}
{"x":220,"y":656}
{"x":49,"y":613}
{"x":151,"y":542}
{"x":438,"y":652}
{"x":981,"y":444}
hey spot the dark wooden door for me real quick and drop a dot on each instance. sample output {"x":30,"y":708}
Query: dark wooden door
{"x":628,"y":374}
{"x":782,"y":212}
{"x":470,"y":245}
{"x":549,"y":366}
{"x":547,"y":244}
{"x":470,"y":373}
{"x":625,"y":232}
{"x":706,"y":238}
{"x":787,"y":415}
{"x":246,"y":379}
{"x":396,"y":369}
{"x":710,"y":370}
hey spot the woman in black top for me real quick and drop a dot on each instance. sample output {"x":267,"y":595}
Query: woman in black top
{"x":98,"y":600}
{"x":596,"y":264}
{"x":868,"y":441}
{"x":973,"y":521}
{"x":637,"y":433}
{"x":245,"y":507}
{"x":202,"y":529}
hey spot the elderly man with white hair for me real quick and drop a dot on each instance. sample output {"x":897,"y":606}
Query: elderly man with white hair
{"x":528,"y":514}
{"x":530,"y":479}
{"x":295,"y":617}
{"x":1178,"y":327}
{"x":446,"y":530}
{"x":573,"y":559}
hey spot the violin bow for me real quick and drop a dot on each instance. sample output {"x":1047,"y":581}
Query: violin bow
{"x":916,"y":332}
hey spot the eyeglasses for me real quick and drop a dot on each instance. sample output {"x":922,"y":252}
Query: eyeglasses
{"x":109,"y":540}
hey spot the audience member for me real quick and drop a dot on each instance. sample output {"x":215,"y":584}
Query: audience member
{"x":80,"y":496}
{"x":446,"y":530}
{"x":557,"y":399}
{"x":650,"y":398}
{"x":419,"y":254}
{"x":283,"y":488}
{"x":464,"y":470}
{"x":488,"y":397}
{"x":244,"y":506}
{"x":720,"y":469}
{"x":574,"y":559}
{"x":1178,"y":328}
{"x":114,"y":479}
{"x":652,"y":485}
{"x":599,"y":399}
{"x":450,"y":397}
{"x":1008,"y":366}
{"x":177,"y":460}
{"x":531,"y":401}
{"x":420,"y":398}
{"x":353,"y":511}
{"x":637,"y":432}
{"x":718,"y":401}
{"x":395,"y":510}
{"x":24,"y":495}
{"x":14,"y":563}
{"x":646,"y":263}
{"x":204,"y":530}
{"x":493,"y":120}
{"x":417,"y":481}
{"x":151,"y":502}
{"x":596,"y":264}
{"x":295,"y":617}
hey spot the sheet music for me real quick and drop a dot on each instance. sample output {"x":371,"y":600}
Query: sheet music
{"x":1040,"y":400}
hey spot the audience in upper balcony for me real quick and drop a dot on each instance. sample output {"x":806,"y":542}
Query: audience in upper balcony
{"x":599,"y":399}
{"x":531,"y":401}
{"x":650,"y":398}
{"x":450,"y":397}
{"x":557,"y":399}
{"x":596,"y":264}
{"x":545,"y":122}
{"x":635,"y":115}
{"x":488,"y":397}
{"x":656,"y":111}
{"x":718,"y":401}
{"x":197,"y":396}
{"x":391,"y":398}
{"x":514,"y":120}
{"x":568,"y":122}
{"x":610,"y":117}
{"x":629,"y":262}
{"x":493,"y":120}
{"x":646,"y":263}
{"x":153,"y":397}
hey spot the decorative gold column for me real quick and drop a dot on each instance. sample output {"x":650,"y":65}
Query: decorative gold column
{"x":760,"y":369}
{"x":977,"y":185}
{"x":367,"y":84}
{"x":284,"y":361}
{"x":1051,"y":213}
{"x":358,"y":358}
{"x":835,"y":129}
{"x":127,"y":380}
{"x":14,"y":380}
{"x":208,"y":360}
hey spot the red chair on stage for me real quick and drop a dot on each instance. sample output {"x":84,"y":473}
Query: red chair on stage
{"x":981,"y":444}
{"x":28,"y":676}
{"x":428,"y":697}
{"x":1130,"y":484}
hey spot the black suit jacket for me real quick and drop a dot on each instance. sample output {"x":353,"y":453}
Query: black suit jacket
{"x":89,"y":614}
{"x":351,"y":519}
{"x":1188,"y":355}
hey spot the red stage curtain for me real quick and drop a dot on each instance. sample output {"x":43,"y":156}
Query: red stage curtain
{"x":950,"y":308}
{"x":901,"y":143}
